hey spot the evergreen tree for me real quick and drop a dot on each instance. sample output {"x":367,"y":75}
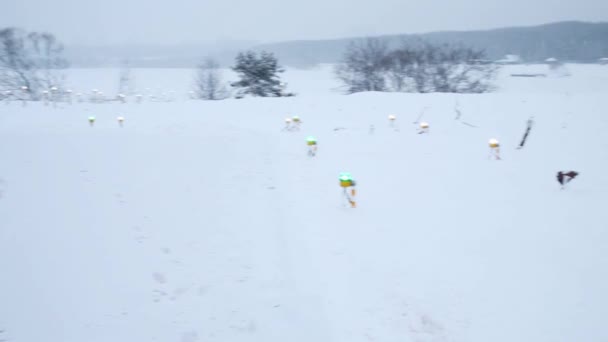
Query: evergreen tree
{"x":258,"y":75}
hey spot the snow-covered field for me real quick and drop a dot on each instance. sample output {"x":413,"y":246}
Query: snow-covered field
{"x":205,"y":221}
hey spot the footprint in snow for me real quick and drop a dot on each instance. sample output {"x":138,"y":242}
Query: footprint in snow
{"x":426,"y":329}
{"x":202,"y":290}
{"x":159,"y":277}
{"x":190,"y":336}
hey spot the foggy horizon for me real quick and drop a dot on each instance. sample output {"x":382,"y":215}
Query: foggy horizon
{"x":240,"y":42}
{"x":180,"y":22}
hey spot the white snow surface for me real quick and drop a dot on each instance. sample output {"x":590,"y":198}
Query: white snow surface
{"x":205,"y":221}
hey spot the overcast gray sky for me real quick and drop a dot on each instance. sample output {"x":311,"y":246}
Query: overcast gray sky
{"x":191,"y":21}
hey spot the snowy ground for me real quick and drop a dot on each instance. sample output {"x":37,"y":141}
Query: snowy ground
{"x":204,"y":221}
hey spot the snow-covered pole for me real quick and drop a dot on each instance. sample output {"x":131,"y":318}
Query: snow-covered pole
{"x":287,"y":124}
{"x":120,"y":120}
{"x":424,"y":128}
{"x":45,"y":97}
{"x":391,"y":120}
{"x":53,"y":94}
{"x":25,"y":91}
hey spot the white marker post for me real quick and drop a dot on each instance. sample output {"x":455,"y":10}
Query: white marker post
{"x":494,"y":149}
{"x":391,"y":120}
{"x":45,"y":97}
{"x":25,"y":91}
{"x":424,"y":128}
{"x":53,"y":94}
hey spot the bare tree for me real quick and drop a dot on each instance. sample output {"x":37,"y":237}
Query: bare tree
{"x":364,"y":65}
{"x":126,"y":81}
{"x":427,"y":68}
{"x":31,"y":62}
{"x":406,"y":71}
{"x":417,"y":66}
{"x":208,"y":82}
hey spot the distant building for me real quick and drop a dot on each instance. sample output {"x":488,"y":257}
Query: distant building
{"x":552,"y":61}
{"x":509,"y":59}
{"x":480,"y":61}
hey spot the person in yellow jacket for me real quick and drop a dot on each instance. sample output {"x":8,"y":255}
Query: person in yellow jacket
{"x":348,"y":183}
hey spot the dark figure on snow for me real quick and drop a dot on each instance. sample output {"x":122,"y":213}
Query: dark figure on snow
{"x":564,"y":177}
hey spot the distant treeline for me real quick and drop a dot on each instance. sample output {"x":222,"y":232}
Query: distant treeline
{"x":567,"y":41}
